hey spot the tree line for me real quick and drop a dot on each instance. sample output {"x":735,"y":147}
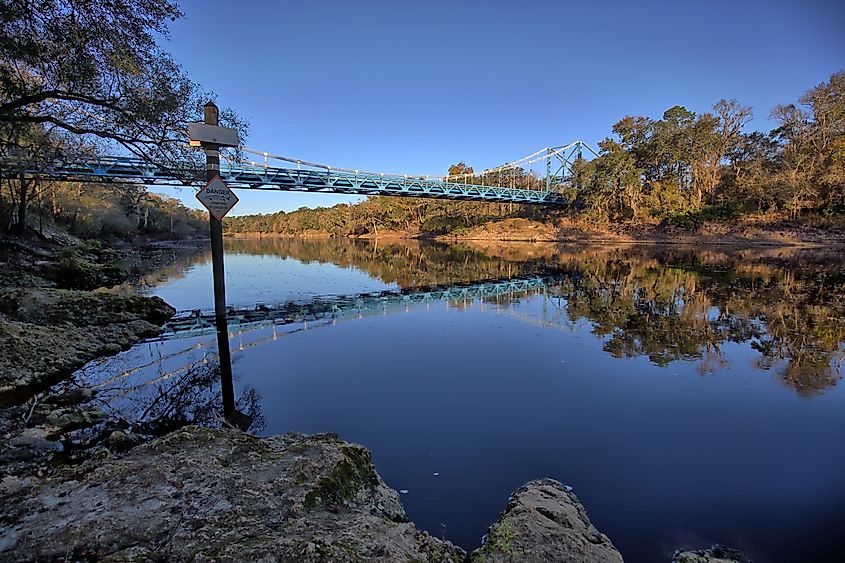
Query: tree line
{"x":103,"y":210}
{"x":686,"y":163}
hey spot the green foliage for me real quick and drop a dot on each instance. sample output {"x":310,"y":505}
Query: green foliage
{"x":85,"y":76}
{"x":123,"y":211}
{"x":611,"y":184}
{"x":95,"y":69}
{"x":833,"y":210}
{"x":692,"y":220}
{"x":376,"y":215}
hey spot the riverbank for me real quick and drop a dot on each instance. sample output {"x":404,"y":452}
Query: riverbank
{"x":52,"y":324}
{"x":47,"y":304}
{"x":751,"y":231}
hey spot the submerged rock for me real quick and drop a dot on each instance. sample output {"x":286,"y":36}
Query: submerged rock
{"x":545,"y":522}
{"x":202,"y":494}
{"x":715,"y":554}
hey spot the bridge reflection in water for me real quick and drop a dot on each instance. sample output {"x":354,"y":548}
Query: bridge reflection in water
{"x":665,"y":363}
{"x":197,"y":323}
{"x":161,"y":382}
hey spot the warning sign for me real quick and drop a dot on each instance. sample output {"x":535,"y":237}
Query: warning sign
{"x":217,"y":197}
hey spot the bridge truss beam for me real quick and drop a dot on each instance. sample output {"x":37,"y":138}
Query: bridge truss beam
{"x":249,"y":176}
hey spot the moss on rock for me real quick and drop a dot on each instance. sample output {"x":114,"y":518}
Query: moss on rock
{"x":354,"y":471}
{"x":86,"y":266}
{"x":545,"y":522}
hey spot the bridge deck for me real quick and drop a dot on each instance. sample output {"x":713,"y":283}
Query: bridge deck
{"x":246,"y":176}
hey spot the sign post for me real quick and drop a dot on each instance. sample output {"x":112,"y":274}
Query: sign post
{"x":217,"y":197}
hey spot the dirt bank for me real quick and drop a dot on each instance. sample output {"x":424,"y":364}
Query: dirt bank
{"x":749,"y":231}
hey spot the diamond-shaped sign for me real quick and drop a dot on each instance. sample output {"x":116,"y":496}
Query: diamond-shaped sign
{"x":217,"y":197}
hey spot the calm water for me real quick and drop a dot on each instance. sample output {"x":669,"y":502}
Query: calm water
{"x":689,"y":397}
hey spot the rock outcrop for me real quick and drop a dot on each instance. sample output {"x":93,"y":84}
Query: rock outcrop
{"x":46,"y":334}
{"x":201,"y":494}
{"x":544,"y":521}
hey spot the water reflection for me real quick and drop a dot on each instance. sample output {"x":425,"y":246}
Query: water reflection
{"x":685,"y":393}
{"x":684,"y":305}
{"x":667,"y":304}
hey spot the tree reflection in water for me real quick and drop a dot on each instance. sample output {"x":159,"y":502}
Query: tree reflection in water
{"x":193,"y":398}
{"x":683,"y":306}
{"x":157,"y":404}
{"x":667,"y":303}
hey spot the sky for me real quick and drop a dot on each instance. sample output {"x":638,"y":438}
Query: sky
{"x":413,"y":87}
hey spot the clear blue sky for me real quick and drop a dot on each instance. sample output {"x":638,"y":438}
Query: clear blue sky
{"x":412,"y":87}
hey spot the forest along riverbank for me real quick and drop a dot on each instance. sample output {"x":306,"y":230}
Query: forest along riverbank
{"x":61,"y":450}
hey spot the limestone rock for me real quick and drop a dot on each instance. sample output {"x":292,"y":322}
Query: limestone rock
{"x":80,"y":308}
{"x":46,"y":334}
{"x":119,"y":441}
{"x":545,"y":522}
{"x":215,"y":494}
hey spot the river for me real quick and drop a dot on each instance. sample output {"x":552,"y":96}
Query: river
{"x":690,"y":396}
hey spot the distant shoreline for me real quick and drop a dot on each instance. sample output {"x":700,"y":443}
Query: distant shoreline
{"x":526,"y":231}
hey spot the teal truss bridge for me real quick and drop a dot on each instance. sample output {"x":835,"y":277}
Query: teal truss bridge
{"x":514,"y":182}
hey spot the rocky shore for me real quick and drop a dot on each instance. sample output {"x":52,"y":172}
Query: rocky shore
{"x":201,"y":494}
{"x":47,"y":334}
{"x":51,"y":324}
{"x":218,"y":494}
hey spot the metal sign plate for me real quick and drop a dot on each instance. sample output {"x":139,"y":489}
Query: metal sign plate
{"x":217,"y":197}
{"x":200,"y":133}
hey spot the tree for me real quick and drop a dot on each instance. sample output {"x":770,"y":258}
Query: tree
{"x":72,"y":69}
{"x":798,"y":159}
{"x":827,"y":104}
{"x":732,"y":118}
{"x":611,"y":183}
{"x":751,"y":164}
{"x":812,"y":141}
{"x":460,"y":172}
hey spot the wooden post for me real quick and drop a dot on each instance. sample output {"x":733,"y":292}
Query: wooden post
{"x":212,"y":169}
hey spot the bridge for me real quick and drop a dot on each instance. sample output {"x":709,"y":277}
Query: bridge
{"x":508,"y":183}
